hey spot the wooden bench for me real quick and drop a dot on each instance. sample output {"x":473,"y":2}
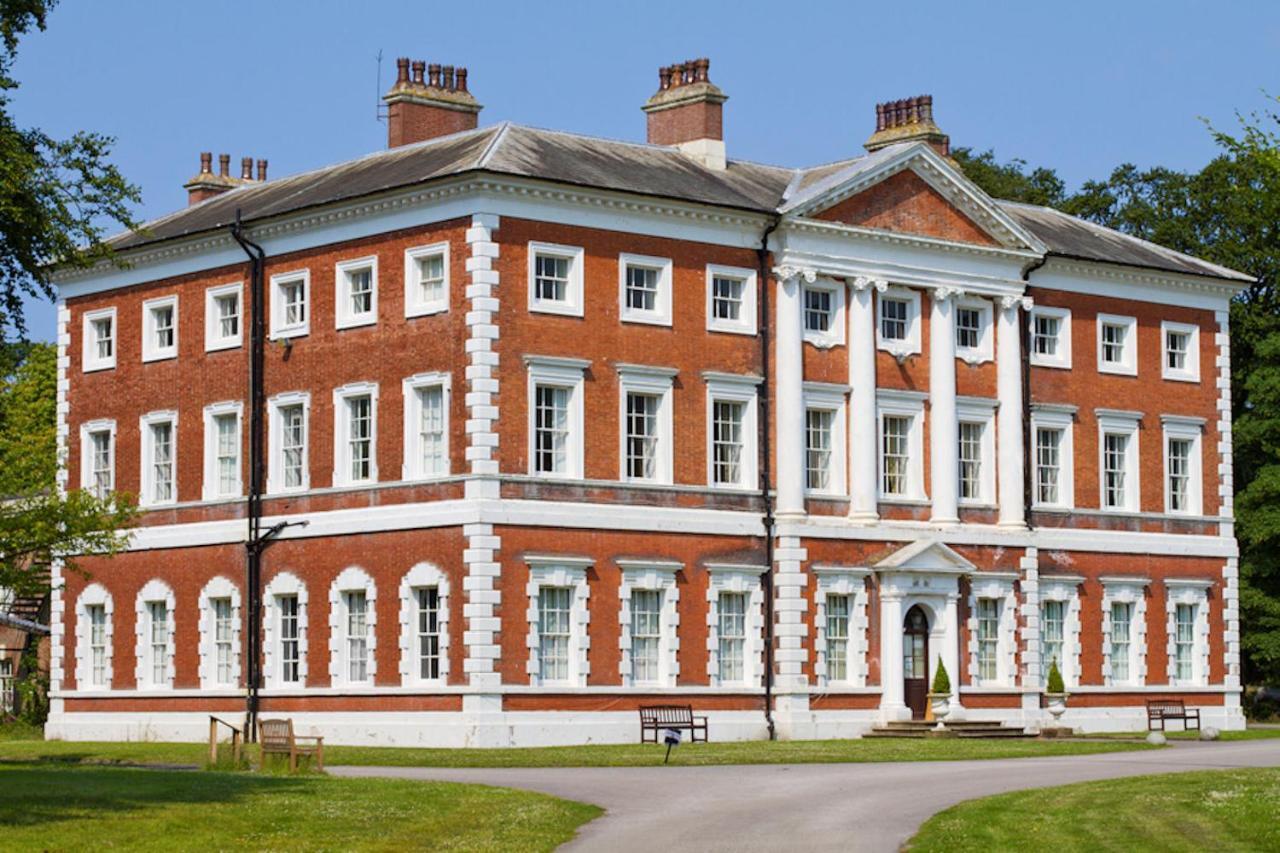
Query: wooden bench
{"x":1159,"y":711}
{"x":655,"y":718}
{"x":276,"y":737}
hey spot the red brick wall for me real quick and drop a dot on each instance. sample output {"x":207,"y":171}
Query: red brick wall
{"x":698,"y":120}
{"x":905,"y":203}
{"x":408,"y":123}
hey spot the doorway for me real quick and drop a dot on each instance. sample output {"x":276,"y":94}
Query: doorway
{"x":915,"y":661}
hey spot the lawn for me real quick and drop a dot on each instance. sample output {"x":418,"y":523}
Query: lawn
{"x":82,"y":808}
{"x":1246,"y":734}
{"x":1215,"y":810}
{"x":598,"y":755}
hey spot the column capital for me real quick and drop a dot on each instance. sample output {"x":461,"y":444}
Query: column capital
{"x":786,"y":272}
{"x":1015,"y":302}
{"x":947,"y":292}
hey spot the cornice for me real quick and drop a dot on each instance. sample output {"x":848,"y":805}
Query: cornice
{"x":880,"y":235}
{"x":1139,"y":275}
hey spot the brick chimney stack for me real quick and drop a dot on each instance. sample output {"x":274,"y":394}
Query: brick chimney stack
{"x":908,"y":120}
{"x":206,"y":184}
{"x":424,"y":107}
{"x":687,"y":111}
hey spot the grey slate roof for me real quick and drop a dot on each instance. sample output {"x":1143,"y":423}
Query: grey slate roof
{"x":650,"y":170}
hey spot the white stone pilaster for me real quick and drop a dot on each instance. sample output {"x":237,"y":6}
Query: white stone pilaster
{"x":892,"y":701}
{"x":789,"y":390}
{"x":1009,"y":426}
{"x":951,"y":652}
{"x":863,"y":471}
{"x":943,"y":449}
{"x":57,"y":605}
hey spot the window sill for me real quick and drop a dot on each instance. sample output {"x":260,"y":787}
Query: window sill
{"x":161,"y":356}
{"x":553,"y":308}
{"x":898,"y":500}
{"x":1117,"y":370}
{"x":732,"y":330}
{"x":646,"y":320}
{"x":218,"y":346}
{"x":1052,"y":365}
{"x":1174,"y":377}
{"x":424,"y":310}
{"x":96,"y":368}
{"x":284,"y":334}
{"x":355,"y":323}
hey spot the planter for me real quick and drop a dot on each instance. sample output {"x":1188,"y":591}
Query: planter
{"x":940,"y":705}
{"x":1056,"y":703}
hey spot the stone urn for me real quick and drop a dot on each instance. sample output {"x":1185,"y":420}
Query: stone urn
{"x":940,"y":705}
{"x":1056,"y":704}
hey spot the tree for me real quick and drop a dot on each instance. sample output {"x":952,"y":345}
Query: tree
{"x":56,"y":196}
{"x":36,"y":520}
{"x":1227,"y":213}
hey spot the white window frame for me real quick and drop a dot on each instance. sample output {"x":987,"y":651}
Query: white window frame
{"x":903,"y":404}
{"x":1128,"y":365}
{"x":95,"y":594}
{"x":734,"y":388}
{"x":153,"y":591}
{"x":283,"y":584}
{"x":984,"y":351}
{"x":89,"y":344}
{"x":146,"y":476}
{"x":1131,"y":591}
{"x":413,"y":305}
{"x":87,"y":431}
{"x":1191,"y":372}
{"x":213,"y":338}
{"x":352,"y":579}
{"x":656,"y":382}
{"x":560,"y":571}
{"x":567,"y":373}
{"x":343,"y":316}
{"x":412,"y":468}
{"x":821,"y":396}
{"x":998,"y":586}
{"x":842,"y":580}
{"x":341,"y":429}
{"x":279,"y":329}
{"x":1128,"y":423}
{"x":1190,"y":429}
{"x":834,"y":335}
{"x":661,"y":315}
{"x":421,"y":576}
{"x":1194,"y":592}
{"x":737,"y":578}
{"x":979,"y":410}
{"x":910,"y":345}
{"x":572,"y":306}
{"x":746,"y":322}
{"x":1059,"y":417}
{"x":218,"y":588}
{"x":275,"y":435}
{"x":151,"y":351}
{"x":658,"y":576}
{"x":1064,"y":589}
{"x":1062,"y":360}
{"x":211,"y":412}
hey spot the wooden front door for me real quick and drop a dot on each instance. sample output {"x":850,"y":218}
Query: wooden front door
{"x":915,"y":661}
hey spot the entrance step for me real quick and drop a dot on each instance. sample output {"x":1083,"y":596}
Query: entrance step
{"x":958,"y":728}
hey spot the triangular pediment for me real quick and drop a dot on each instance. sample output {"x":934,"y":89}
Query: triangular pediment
{"x":910,"y":189}
{"x":926,"y":556}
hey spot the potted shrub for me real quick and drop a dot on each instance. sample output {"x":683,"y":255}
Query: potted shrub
{"x":940,"y":694}
{"x":1055,"y":693}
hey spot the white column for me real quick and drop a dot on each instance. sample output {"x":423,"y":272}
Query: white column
{"x":1009,"y":426}
{"x":863,"y":471}
{"x":951,"y":652}
{"x":891,"y":699}
{"x":789,"y":390}
{"x":943,"y":450}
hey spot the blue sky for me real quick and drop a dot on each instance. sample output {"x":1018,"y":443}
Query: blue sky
{"x":1077,"y":86}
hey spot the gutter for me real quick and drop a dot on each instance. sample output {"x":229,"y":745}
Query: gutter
{"x":766,"y":471}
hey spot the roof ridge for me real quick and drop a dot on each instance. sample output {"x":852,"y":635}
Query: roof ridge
{"x":492,"y":147}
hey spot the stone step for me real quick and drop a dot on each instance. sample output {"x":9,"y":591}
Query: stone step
{"x":960,"y":728}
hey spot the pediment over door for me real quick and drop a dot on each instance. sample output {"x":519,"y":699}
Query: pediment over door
{"x":926,"y":556}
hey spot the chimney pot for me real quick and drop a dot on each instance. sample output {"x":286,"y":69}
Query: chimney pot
{"x":224,"y":165}
{"x":246,"y":168}
{"x":262,"y":170}
{"x":418,"y":67}
{"x":462,"y":79}
{"x":402,"y":70}
{"x":908,"y":120}
{"x":433,"y":75}
{"x":437,"y":102}
{"x":664,"y":78}
{"x":448,"y":77}
{"x":206,"y":162}
{"x":703,"y":67}
{"x":926,"y":107}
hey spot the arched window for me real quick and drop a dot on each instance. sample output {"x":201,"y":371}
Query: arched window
{"x":154,"y":629}
{"x":284,"y":616}
{"x":424,"y":626}
{"x":94,"y":612}
{"x":352,"y":622}
{"x":219,"y":634}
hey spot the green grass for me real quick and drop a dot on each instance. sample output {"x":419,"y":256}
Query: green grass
{"x":1217,"y":810}
{"x":81,"y":808}
{"x":600,"y":755}
{"x":1247,"y":734}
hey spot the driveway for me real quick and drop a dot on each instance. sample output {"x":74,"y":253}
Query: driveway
{"x":865,"y":807}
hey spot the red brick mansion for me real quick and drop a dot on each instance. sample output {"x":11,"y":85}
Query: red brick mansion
{"x":496,"y":435}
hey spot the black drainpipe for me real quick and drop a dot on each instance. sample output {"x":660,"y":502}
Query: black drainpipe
{"x":256,"y":542}
{"x":766,"y":473}
{"x":1028,"y":449}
